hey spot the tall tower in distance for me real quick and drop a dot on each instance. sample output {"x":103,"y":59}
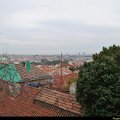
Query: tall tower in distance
{"x":61,"y":71}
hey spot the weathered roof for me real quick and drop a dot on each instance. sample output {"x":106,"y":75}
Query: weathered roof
{"x":59,"y":99}
{"x":9,"y":72}
{"x":33,"y":74}
{"x":24,"y":105}
{"x":62,"y":81}
{"x":19,"y":73}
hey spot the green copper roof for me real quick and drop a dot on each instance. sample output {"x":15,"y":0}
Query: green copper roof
{"x":9,"y":73}
{"x":3,"y":58}
{"x":28,"y":66}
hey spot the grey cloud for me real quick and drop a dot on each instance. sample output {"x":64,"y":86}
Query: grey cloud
{"x":55,"y":26}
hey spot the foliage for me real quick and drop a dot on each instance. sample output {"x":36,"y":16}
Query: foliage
{"x":112,"y":51}
{"x":71,"y":68}
{"x":71,"y":80}
{"x":98,"y":86}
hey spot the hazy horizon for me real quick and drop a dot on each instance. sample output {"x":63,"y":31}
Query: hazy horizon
{"x":49,"y":27}
{"x":82,"y":54}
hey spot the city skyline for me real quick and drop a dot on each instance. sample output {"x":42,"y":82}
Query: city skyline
{"x":55,"y":26}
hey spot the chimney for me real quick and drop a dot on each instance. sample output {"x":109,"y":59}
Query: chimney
{"x":28,"y":66}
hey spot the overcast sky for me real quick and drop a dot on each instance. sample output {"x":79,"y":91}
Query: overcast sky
{"x":55,"y":26}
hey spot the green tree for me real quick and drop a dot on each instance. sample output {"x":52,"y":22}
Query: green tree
{"x":71,"y":80}
{"x":71,"y":68}
{"x":98,"y":86}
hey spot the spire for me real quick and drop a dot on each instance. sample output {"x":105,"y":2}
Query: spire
{"x":61,"y":70}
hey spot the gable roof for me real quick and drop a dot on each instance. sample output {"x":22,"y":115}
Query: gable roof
{"x":19,"y":73}
{"x":23,"y":105}
{"x":31,"y":75}
{"x":59,"y":99}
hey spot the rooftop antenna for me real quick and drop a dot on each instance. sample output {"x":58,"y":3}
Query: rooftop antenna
{"x":61,"y":70}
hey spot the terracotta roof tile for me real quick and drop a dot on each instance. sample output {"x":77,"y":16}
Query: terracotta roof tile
{"x":63,"y":81}
{"x":23,"y":105}
{"x":35,"y":74}
{"x":59,"y":99}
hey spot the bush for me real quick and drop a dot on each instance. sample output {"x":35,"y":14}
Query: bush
{"x":98,"y":86}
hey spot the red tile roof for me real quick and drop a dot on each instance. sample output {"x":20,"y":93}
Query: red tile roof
{"x":35,"y":74}
{"x":23,"y":105}
{"x":63,"y":81}
{"x":54,"y":70}
{"x":59,"y":99}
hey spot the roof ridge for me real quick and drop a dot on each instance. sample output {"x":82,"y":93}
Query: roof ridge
{"x":62,"y":100}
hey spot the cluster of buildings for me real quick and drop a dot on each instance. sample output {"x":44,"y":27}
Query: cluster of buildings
{"x":61,"y":74}
{"x":39,"y":58}
{"x":39,"y":87}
